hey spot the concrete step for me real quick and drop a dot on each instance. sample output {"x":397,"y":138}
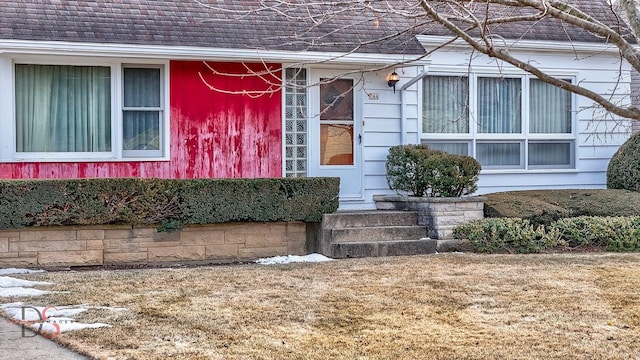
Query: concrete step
{"x":378,"y":233}
{"x":369,"y":218}
{"x":386,"y":248}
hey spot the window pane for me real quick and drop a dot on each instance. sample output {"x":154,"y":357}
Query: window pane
{"x":336,"y":100}
{"x":549,"y":109}
{"x":141,"y":87}
{"x":499,"y":106}
{"x":498,"y":154}
{"x":63,"y":108}
{"x":445,"y":104}
{"x":336,"y":144}
{"x":452,"y":148}
{"x":550,"y":154}
{"x":141,"y":130}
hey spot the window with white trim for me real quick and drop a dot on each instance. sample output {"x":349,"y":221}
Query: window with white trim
{"x":142,"y":111}
{"x":92,"y":112}
{"x":506,"y":123}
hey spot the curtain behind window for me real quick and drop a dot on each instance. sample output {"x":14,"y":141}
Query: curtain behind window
{"x":445,"y":104}
{"x":499,"y":105}
{"x":549,"y":109}
{"x":141,"y":117}
{"x":63,"y":108}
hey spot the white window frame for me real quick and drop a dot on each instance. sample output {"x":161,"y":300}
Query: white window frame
{"x":162,"y":109}
{"x":117,"y":153}
{"x":473,"y":136}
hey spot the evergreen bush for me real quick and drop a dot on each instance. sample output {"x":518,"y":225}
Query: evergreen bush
{"x":418,"y":170}
{"x":165,"y":203}
{"x":515,"y":235}
{"x":623,"y":171}
{"x":506,"y":235}
{"x":620,"y":233}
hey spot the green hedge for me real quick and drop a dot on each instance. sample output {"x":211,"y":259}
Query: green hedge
{"x":620,"y":233}
{"x":506,"y":235}
{"x":165,"y":203}
{"x":515,"y":235}
{"x":543,"y":207}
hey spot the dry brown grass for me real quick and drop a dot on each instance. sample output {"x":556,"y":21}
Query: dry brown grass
{"x":453,"y":306}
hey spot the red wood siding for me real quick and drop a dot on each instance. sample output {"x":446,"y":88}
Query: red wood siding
{"x":213,"y":134}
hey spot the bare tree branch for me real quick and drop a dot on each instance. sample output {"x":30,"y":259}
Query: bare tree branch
{"x":316,"y":25}
{"x":488,"y":48}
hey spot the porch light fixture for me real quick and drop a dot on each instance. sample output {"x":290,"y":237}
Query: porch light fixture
{"x":392,"y":80}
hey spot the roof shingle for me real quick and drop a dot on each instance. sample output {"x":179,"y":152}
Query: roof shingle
{"x":240,"y":24}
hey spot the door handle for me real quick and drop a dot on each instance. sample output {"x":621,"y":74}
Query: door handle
{"x":359,"y":139}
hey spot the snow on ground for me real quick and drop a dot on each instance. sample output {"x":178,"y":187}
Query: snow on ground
{"x":9,"y":282}
{"x":21,"y":291}
{"x":11,"y":271}
{"x":17,"y":287}
{"x":293,"y":259}
{"x":51,"y":319}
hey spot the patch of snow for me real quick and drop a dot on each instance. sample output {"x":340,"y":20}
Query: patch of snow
{"x":34,"y":313}
{"x":52,"y":319}
{"x":21,"y":291}
{"x":64,"y":325}
{"x":11,"y":271}
{"x":49,"y":319}
{"x":18,"y":287}
{"x":293,"y":259}
{"x":9,"y":282}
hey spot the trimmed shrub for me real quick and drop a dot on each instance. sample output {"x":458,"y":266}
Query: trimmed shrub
{"x":613,"y":233}
{"x":543,"y":207}
{"x":289,"y":199}
{"x":166,"y":203}
{"x":405,"y":168}
{"x":624,"y":168}
{"x":506,"y":235}
{"x":421,"y":171}
{"x":451,"y":175}
{"x":514,"y":235}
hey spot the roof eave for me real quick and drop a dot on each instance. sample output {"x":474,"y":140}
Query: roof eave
{"x":62,"y":48}
{"x":430,"y":41}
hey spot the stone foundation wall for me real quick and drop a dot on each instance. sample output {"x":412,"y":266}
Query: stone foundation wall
{"x":124,"y":244}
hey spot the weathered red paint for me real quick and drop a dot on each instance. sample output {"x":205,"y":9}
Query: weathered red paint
{"x":214,"y":134}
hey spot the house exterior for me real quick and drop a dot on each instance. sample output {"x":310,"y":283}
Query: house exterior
{"x":222,"y":89}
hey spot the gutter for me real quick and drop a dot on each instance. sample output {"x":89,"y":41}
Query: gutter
{"x":196,"y":53}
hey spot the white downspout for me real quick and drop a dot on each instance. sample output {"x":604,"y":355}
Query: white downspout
{"x":403,"y":100}
{"x":403,"y":116}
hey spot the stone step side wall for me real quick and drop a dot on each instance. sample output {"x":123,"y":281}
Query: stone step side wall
{"x":439,"y":214}
{"x":124,"y":244}
{"x":441,"y":217}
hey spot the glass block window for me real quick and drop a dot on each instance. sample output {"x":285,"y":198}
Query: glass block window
{"x":296,"y":137}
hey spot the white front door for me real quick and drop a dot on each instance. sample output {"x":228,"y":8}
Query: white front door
{"x":336,"y":131}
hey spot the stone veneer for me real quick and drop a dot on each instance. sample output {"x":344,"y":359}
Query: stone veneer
{"x":439,"y":214}
{"x":66,"y":246}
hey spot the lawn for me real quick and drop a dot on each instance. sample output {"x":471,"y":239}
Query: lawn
{"x":444,"y":306}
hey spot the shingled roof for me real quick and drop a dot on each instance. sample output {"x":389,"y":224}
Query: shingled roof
{"x":240,"y":24}
{"x":545,"y":29}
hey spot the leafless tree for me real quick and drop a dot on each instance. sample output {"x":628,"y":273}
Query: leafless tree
{"x":485,"y":26}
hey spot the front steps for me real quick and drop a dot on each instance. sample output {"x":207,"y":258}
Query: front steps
{"x":374,"y":233}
